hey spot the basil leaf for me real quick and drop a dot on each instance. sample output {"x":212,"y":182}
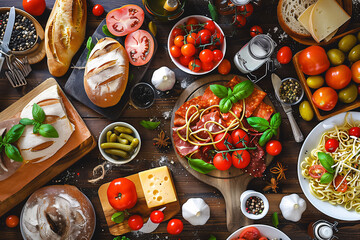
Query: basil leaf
{"x":258,"y":123}
{"x":36,"y":127}
{"x":326,"y":161}
{"x":265,"y":137}
{"x":118,"y":217}
{"x":212,"y":237}
{"x":106,"y":31}
{"x":48,"y":131}
{"x":275,"y":219}
{"x":121,"y":238}
{"x":233,"y":99}
{"x":274,"y":131}
{"x":243,"y":90}
{"x":90,"y":46}
{"x":213,"y":12}
{"x":149,"y":124}
{"x":200,"y":165}
{"x":275,"y":121}
{"x":219,"y":90}
{"x":326,"y":178}
{"x":14,"y":133}
{"x":13,"y":153}
{"x":225,"y":105}
{"x":38,"y":113}
{"x":27,"y":121}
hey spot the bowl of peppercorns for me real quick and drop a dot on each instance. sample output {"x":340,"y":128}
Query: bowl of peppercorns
{"x":290,"y":91}
{"x":254,"y":205}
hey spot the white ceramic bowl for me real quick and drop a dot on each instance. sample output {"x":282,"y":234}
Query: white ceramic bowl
{"x":102,"y":139}
{"x":201,"y":19}
{"x":250,"y":193}
{"x":265,"y":230}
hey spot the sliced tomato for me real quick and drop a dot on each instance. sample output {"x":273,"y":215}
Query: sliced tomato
{"x":340,"y":184}
{"x":124,"y":20}
{"x":140,"y":47}
{"x":316,"y":171}
{"x":250,"y":233}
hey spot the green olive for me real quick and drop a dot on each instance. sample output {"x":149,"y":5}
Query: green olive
{"x":336,"y":56}
{"x":306,"y":111}
{"x":315,"y":81}
{"x":347,"y":43}
{"x":354,"y":54}
{"x":348,"y":94}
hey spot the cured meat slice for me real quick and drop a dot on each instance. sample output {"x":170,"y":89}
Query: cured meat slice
{"x":183,"y":147}
{"x":237,"y":109}
{"x":183,"y":108}
{"x":211,"y":127}
{"x":209,"y":99}
{"x":235,"y":80}
{"x":253,"y":101}
{"x":257,"y":164}
{"x":264,"y":111}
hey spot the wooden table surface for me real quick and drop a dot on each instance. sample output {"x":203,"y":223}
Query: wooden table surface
{"x":187,"y":186}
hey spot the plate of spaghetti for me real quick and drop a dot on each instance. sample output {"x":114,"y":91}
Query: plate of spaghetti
{"x":329,"y":174}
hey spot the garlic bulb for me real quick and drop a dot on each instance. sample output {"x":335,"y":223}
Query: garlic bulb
{"x":196,"y":211}
{"x":163,"y":79}
{"x":292,"y":207}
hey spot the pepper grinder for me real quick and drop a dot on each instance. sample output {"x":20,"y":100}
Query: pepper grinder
{"x":324,"y":230}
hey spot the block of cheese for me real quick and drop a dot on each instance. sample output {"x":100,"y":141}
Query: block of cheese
{"x":158,"y":186}
{"x":304,"y":18}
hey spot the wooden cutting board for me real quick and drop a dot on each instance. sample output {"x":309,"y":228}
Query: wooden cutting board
{"x":231,"y":183}
{"x":140,"y":208}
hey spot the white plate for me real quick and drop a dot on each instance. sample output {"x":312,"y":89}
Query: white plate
{"x":312,"y":140}
{"x":265,"y":230}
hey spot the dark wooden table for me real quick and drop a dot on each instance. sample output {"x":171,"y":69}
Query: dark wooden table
{"x":187,"y":186}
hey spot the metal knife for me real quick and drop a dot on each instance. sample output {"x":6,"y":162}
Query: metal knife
{"x":7,"y":35}
{"x":299,"y":137}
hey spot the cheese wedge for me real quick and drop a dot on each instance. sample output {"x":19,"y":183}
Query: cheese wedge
{"x":34,"y":147}
{"x":304,"y":18}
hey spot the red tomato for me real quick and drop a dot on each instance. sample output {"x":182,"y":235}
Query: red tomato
{"x":175,"y":51}
{"x":263,"y":238}
{"x":284,"y":55}
{"x":203,"y":37}
{"x":207,"y":66}
{"x":246,"y":10}
{"x":273,"y":147}
{"x":316,"y":171}
{"x":313,"y":60}
{"x":226,"y":142}
{"x":98,"y":10}
{"x":218,"y":55}
{"x":240,"y":138}
{"x":135,"y":222}
{"x":224,"y":67}
{"x":355,"y":70}
{"x":185,"y":60}
{"x":140,"y":47}
{"x":340,"y":184}
{"x":218,"y":38}
{"x":191,"y":38}
{"x":239,"y":21}
{"x":210,"y":25}
{"x":250,"y":233}
{"x":256,"y":30}
{"x":195,"y":65}
{"x":354,"y":131}
{"x":124,"y":20}
{"x":12,"y":221}
{"x":211,"y":47}
{"x":240,"y":158}
{"x":192,"y":21}
{"x":122,"y":194}
{"x":222,"y":161}
{"x":179,"y":41}
{"x":175,"y":227}
{"x":206,"y":56}
{"x":325,"y":98}
{"x":188,"y":50}
{"x":34,"y":7}
{"x":338,"y":77}
{"x":157,"y":216}
{"x":331,"y":145}
{"x":177,"y":31}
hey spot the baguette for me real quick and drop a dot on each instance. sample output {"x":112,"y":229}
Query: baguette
{"x":64,"y":34}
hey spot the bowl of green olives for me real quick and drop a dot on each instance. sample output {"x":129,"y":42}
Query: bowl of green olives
{"x":119,"y":143}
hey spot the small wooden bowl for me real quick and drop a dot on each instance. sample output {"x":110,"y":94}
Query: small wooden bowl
{"x":37,"y":52}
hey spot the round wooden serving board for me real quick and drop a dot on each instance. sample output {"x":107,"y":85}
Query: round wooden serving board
{"x":231,"y":183}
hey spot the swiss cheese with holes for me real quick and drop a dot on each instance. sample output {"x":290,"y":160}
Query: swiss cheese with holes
{"x":158,"y":186}
{"x":34,"y":147}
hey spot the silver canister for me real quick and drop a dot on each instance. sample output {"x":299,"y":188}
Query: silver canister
{"x":324,"y":230}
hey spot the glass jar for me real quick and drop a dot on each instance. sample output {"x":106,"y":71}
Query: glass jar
{"x":227,"y":7}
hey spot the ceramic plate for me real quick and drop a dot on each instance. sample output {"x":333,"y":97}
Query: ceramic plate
{"x":265,"y":230}
{"x":338,"y":211}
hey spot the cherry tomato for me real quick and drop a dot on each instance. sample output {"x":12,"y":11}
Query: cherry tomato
{"x":179,"y":41}
{"x":354,"y":131}
{"x":175,"y":51}
{"x":273,"y":147}
{"x":175,"y":227}
{"x":313,"y":60}
{"x":338,"y":77}
{"x":34,"y":7}
{"x":122,"y":194}
{"x":218,"y":55}
{"x":207,"y":66}
{"x":250,"y":233}
{"x":185,"y":60}
{"x":355,"y":70}
{"x":192,"y":21}
{"x":284,"y":55}
{"x":191,"y":38}
{"x":224,"y":67}
{"x":331,"y":145}
{"x":206,"y":56}
{"x":12,"y":221}
{"x":140,"y":47}
{"x":157,"y":216}
{"x":255,"y":30}
{"x":239,"y":21}
{"x":177,"y":31}
{"x":210,"y":25}
{"x":245,"y":10}
{"x":240,"y":138}
{"x":203,"y":37}
{"x":225,"y":143}
{"x":195,"y":65}
{"x":222,"y":161}
{"x":98,"y":10}
{"x":135,"y":222}
{"x":240,"y":158}
{"x":340,"y":184}
{"x":188,"y":50}
{"x":325,"y":98}
{"x":211,"y":47}
{"x":263,"y":238}
{"x":218,"y":38}
{"x":316,"y":171}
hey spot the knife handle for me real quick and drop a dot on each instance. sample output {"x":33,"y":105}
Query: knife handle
{"x":299,"y":137}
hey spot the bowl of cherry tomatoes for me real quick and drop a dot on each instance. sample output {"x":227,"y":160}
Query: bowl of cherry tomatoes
{"x":196,"y":45}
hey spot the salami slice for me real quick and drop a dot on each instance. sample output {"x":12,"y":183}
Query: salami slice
{"x":237,"y":109}
{"x":257,"y":164}
{"x":235,"y":80}
{"x":183,"y":108}
{"x":264,"y":111}
{"x":253,"y":101}
{"x":211,"y":127}
{"x":209,"y":99}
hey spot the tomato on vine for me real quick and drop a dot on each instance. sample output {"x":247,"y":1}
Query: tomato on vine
{"x":177,"y":31}
{"x":175,"y":51}
{"x":224,"y":142}
{"x":239,"y":21}
{"x":191,"y":21}
{"x":240,"y":158}
{"x":218,"y":38}
{"x":222,"y":161}
{"x":185,"y":60}
{"x":207,"y":66}
{"x":191,"y":38}
{"x":195,"y":65}
{"x":255,"y":30}
{"x":240,"y":138}
{"x":218,"y":55}
{"x":210,"y":25}
{"x":179,"y":41}
{"x":188,"y":50}
{"x":203,"y":37}
{"x":206,"y":56}
{"x":245,"y":10}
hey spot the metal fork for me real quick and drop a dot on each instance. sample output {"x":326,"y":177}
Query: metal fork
{"x":22,"y":65}
{"x":15,"y":75}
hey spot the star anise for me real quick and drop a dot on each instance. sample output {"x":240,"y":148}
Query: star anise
{"x":279,"y":170}
{"x":273,"y":185}
{"x":162,"y":142}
